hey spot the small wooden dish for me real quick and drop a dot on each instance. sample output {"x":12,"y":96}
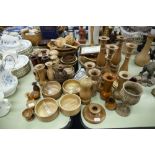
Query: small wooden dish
{"x":70,"y":104}
{"x":84,"y":59}
{"x":47,"y":109}
{"x":71,"y":87}
{"x":52,"y":89}
{"x":94,"y":113}
{"x":28,"y":114}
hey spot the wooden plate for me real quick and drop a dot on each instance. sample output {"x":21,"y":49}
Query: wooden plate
{"x":70,"y":104}
{"x":71,"y":87}
{"x":47,"y":109}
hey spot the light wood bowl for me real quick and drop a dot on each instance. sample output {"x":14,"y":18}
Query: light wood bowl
{"x":70,"y":104}
{"x":71,"y":87}
{"x":52,"y":89}
{"x":84,"y":59}
{"x":46,"y":110}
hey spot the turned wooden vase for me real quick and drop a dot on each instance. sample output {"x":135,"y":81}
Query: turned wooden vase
{"x":50,"y":71}
{"x":108,"y":79}
{"x":94,"y":74}
{"x":40,"y":73}
{"x":85,"y":90}
{"x":143,"y":57}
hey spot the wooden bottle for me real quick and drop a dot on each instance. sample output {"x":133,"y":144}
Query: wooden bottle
{"x":143,"y":57}
{"x":130,"y":47}
{"x":100,"y":62}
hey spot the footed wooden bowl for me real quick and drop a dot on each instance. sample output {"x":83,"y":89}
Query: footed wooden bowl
{"x":47,"y":109}
{"x":52,"y":89}
{"x":71,"y":87}
{"x":70,"y":104}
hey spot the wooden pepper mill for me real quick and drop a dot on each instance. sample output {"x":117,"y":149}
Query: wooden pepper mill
{"x":143,"y":57}
{"x":85,"y":91}
{"x":100,"y":62}
{"x":116,"y":58}
{"x":111,"y":49}
{"x":108,"y":79}
{"x":130,"y":47}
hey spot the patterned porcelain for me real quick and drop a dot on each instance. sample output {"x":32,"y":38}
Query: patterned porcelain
{"x":5,"y":106}
{"x":8,"y":82}
{"x":24,"y":47}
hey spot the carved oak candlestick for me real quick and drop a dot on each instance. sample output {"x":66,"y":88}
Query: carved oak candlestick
{"x":130,"y":48}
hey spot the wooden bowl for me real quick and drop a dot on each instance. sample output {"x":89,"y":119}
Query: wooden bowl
{"x":70,"y":104}
{"x":64,"y":50}
{"x":35,"y":39}
{"x":47,"y":109}
{"x":71,"y":87}
{"x":84,"y":59}
{"x":28,"y":114}
{"x":52,"y":89}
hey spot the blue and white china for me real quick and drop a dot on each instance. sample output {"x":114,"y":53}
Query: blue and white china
{"x":8,"y":82}
{"x":5,"y":106}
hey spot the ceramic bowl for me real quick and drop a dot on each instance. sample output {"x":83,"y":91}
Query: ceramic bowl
{"x":71,"y":87}
{"x":52,"y":89}
{"x":70,"y":104}
{"x":46,"y":110}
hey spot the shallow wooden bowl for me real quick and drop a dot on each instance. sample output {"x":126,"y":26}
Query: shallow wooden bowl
{"x":84,"y":59}
{"x":52,"y":89}
{"x":47,"y":109}
{"x":70,"y":104}
{"x":71,"y":87}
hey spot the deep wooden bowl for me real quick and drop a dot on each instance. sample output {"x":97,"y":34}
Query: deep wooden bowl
{"x":71,"y":87}
{"x":70,"y":104}
{"x":52,"y":89}
{"x":47,"y":109}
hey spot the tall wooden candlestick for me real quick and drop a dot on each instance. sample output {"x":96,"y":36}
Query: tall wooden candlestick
{"x":130,"y":47}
